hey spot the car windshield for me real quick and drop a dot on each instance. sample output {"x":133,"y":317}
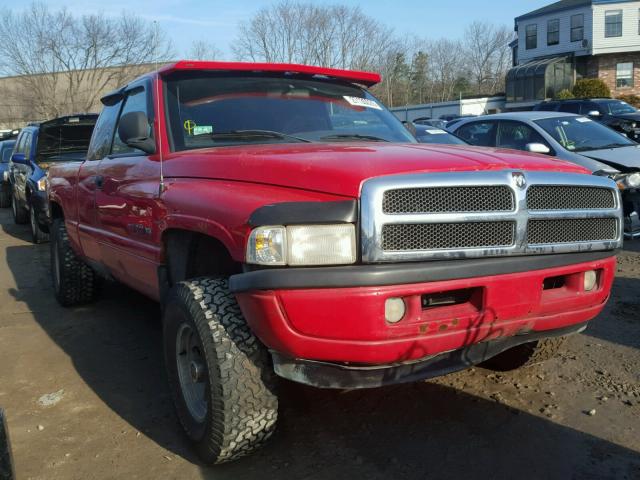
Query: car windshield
{"x":619,"y":107}
{"x":436,"y":135}
{"x":580,"y":134}
{"x":209,"y":110}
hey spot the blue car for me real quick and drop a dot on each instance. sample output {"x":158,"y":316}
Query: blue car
{"x":6,"y":148}
{"x":38,"y":145}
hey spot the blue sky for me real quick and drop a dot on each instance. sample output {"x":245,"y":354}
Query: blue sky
{"x":215,"y":21}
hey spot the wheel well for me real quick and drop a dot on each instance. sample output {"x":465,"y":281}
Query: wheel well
{"x":191,"y":254}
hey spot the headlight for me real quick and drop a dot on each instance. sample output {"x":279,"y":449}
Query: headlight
{"x":299,"y":245}
{"x":42,"y":184}
{"x":627,"y":180}
{"x":627,"y":127}
{"x":5,"y":176}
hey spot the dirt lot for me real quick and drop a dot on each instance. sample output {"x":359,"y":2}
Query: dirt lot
{"x":86,"y":398}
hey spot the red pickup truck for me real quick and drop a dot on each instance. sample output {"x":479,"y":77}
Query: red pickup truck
{"x":288,"y":223}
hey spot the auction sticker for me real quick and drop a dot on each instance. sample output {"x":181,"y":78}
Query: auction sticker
{"x":436,"y":131}
{"x":362,"y":102}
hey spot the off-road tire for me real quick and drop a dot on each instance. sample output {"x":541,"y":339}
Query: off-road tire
{"x":37,"y":235}
{"x":20,"y":217}
{"x":241,"y":406}
{"x":525,"y":355}
{"x":74,"y":282}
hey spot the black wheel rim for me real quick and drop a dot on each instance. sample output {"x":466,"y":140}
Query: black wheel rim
{"x":192,"y":372}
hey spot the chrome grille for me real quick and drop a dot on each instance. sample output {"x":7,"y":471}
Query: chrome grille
{"x":565,"y":197}
{"x":484,"y":214}
{"x":437,"y":236}
{"x":570,"y":230}
{"x":448,"y":200}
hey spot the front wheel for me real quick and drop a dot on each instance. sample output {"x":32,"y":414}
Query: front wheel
{"x":18,"y":213}
{"x":37,"y":235}
{"x":220,"y":376}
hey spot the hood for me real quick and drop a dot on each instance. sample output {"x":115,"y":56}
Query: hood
{"x":340,"y":169}
{"x":632,"y":117}
{"x":623,"y":158}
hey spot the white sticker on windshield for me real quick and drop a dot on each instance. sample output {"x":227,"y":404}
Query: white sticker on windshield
{"x":362,"y":102}
{"x":583,"y":119}
{"x":202,"y":129}
{"x":436,"y":131}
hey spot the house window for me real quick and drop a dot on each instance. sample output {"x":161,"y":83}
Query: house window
{"x":624,"y":75}
{"x":532,"y":36}
{"x":577,"y":27}
{"x":553,"y":32}
{"x":613,"y":23}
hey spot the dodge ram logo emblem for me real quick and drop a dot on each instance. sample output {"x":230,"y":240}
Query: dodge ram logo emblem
{"x":519,"y":180}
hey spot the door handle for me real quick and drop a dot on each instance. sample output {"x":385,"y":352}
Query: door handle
{"x":99,"y":179}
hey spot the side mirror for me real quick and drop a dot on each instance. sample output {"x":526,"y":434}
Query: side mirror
{"x":593,"y":113}
{"x":19,"y":158}
{"x":133,"y":130}
{"x":537,"y":148}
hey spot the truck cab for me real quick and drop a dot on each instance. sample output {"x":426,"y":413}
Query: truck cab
{"x":290,"y":226}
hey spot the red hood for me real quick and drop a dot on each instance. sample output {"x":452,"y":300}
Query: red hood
{"x":340,"y":169}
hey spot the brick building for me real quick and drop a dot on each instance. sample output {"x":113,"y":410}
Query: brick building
{"x":572,"y":39}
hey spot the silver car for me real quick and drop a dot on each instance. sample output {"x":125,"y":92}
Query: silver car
{"x":570,"y":137}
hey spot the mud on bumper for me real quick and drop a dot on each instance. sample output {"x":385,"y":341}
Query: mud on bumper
{"x":344,"y":376}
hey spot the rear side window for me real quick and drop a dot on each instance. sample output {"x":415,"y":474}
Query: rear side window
{"x":20,"y":143}
{"x":517,"y":135}
{"x":136,"y":101}
{"x":102,"y":136}
{"x":570,"y":107}
{"x":482,"y":134}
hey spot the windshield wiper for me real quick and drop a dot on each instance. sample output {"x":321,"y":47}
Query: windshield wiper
{"x":355,"y":136}
{"x":258,"y":133}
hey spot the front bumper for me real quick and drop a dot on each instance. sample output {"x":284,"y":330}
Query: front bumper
{"x":335,"y":375}
{"x":323,"y":318}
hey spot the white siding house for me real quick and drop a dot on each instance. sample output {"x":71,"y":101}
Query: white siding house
{"x":565,"y":45}
{"x":572,"y":39}
{"x":629,"y":41}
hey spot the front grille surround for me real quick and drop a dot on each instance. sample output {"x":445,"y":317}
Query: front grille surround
{"x":600,"y":216}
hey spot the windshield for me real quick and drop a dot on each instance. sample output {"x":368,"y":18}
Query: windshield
{"x":209,"y":110}
{"x":580,"y":134}
{"x":619,"y":107}
{"x":436,"y":135}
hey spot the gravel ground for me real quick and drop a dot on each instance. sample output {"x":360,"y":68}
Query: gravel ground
{"x":86,"y":398}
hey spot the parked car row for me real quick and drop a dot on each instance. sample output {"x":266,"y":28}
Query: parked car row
{"x":26,"y":160}
{"x":291,"y":226}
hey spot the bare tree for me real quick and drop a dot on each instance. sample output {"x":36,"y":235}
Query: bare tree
{"x":329,"y":35}
{"x":487,"y":52}
{"x":201,"y":50}
{"x":68,"y":61}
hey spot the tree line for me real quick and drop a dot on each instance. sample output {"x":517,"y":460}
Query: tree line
{"x":67,"y":61}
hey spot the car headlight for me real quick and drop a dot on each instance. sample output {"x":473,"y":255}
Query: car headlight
{"x":42,"y":184}
{"x":298,"y":245}
{"x":5,"y":176}
{"x":627,"y":180}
